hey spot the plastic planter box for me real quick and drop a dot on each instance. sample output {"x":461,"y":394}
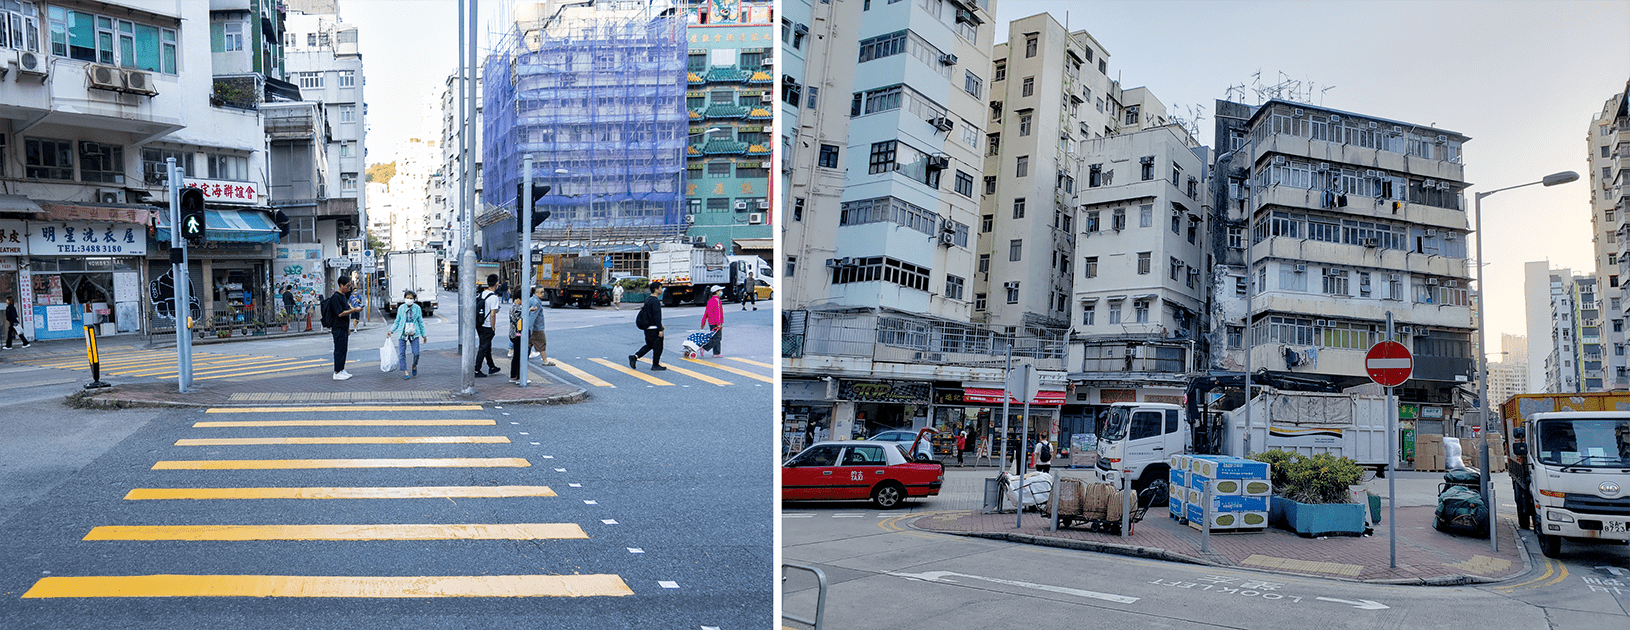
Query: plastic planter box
{"x":1310,"y":519}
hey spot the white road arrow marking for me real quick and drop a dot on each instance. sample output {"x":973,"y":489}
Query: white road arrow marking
{"x":1362,"y":604}
{"x":1617,"y":572}
{"x":940,"y":576}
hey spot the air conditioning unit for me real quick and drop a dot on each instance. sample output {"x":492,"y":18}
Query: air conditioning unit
{"x":690,"y":218}
{"x":1278,"y":160}
{"x":947,"y":59}
{"x":1451,"y":236}
{"x":1402,"y":330}
{"x":1372,"y":174}
{"x":939,"y":161}
{"x":1324,"y":167}
{"x":943,"y":123}
{"x":1431,"y":282}
{"x":1430,"y":183}
{"x":1010,"y":284}
{"x":1431,"y":233}
{"x":768,"y":62}
{"x":1371,"y":242}
{"x":763,"y":204}
{"x":1423,"y":333}
{"x":139,"y":82}
{"x":698,"y":240}
{"x":833,"y":263}
{"x":847,"y":262}
{"x":1394,"y":277}
{"x":104,"y":77}
{"x":1442,"y":186}
{"x":948,"y":238}
{"x":1301,"y":268}
{"x":755,"y":218}
{"x":33,"y":64}
{"x":741,"y":205}
{"x":1321,"y":322}
{"x":1374,"y":126}
{"x":766,"y":99}
{"x":1296,"y":112}
{"x":1397,"y":131}
{"x":1335,"y":118}
{"x":110,"y":196}
{"x":1443,"y":139}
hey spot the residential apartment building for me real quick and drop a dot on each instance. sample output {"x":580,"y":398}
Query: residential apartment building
{"x":1351,"y":216}
{"x":1539,"y":285}
{"x":1575,"y":361}
{"x":96,"y":97}
{"x":447,"y":211}
{"x":1607,"y":144}
{"x":323,"y":61}
{"x":1509,"y":375}
{"x":883,"y":210}
{"x":730,"y":74}
{"x":1050,"y":93}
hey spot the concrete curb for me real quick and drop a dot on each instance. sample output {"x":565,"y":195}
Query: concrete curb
{"x":1171,"y":556}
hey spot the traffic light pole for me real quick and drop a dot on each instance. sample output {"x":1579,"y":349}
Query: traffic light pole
{"x":466,"y":266}
{"x":178,"y":271}
{"x":525,"y":212}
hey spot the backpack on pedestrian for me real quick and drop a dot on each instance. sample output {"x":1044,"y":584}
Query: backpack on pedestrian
{"x":481,"y":310}
{"x":640,"y":321}
{"x":330,"y":320}
{"x":1046,"y":452}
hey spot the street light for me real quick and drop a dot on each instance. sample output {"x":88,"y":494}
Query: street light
{"x":1482,"y":347}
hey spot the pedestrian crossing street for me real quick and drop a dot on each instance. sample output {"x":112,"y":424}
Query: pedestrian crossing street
{"x":161,"y":364}
{"x":182,"y":471}
{"x":719,"y":372}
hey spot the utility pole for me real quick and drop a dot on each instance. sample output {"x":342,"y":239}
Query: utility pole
{"x":178,"y":273}
{"x":524,"y":211}
{"x":466,"y":266}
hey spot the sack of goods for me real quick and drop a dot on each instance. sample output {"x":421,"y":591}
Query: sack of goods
{"x":1461,"y":511}
{"x":1035,"y":489}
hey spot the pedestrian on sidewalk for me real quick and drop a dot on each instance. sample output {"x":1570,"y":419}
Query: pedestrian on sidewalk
{"x":13,"y":324}
{"x":752,"y":293}
{"x":486,"y":317}
{"x":337,"y":311}
{"x":713,"y":319}
{"x":961,"y":445}
{"x":356,"y":312}
{"x":288,"y":300}
{"x":516,"y":352}
{"x":617,"y":295}
{"x":535,"y":307}
{"x":409,"y":327}
{"x":1043,"y":455}
{"x":649,"y":320}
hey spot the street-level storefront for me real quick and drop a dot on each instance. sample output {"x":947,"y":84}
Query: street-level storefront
{"x":806,"y":412}
{"x":867,"y":407}
{"x":81,"y":273}
{"x":983,"y":402}
{"x":13,"y":253}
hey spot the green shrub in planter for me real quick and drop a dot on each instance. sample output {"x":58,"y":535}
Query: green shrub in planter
{"x":1321,"y":478}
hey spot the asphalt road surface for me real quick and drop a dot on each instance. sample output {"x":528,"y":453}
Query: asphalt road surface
{"x":646,"y":506}
{"x":883,"y":574}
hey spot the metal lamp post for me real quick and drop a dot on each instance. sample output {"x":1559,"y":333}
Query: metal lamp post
{"x":1482,"y":345}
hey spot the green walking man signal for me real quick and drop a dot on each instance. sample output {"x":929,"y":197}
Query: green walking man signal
{"x":192,"y":215}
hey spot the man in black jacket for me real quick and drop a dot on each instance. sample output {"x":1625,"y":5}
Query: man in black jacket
{"x":337,"y":312}
{"x":13,"y":324}
{"x":649,"y":320}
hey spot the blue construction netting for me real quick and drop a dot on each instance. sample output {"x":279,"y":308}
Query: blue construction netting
{"x":603,"y":98}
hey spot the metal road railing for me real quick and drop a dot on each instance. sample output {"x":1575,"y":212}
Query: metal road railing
{"x":820,"y":596}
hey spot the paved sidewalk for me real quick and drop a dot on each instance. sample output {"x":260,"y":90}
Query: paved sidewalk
{"x":1425,"y":555}
{"x":367,"y":386}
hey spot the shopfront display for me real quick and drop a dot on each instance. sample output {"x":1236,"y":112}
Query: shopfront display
{"x":68,"y":293}
{"x":13,"y":251}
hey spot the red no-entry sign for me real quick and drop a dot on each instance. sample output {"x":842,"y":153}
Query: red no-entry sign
{"x":1389,"y":363}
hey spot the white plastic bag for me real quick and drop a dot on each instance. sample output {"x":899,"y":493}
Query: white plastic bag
{"x":1451,"y":454}
{"x":1035,"y":489}
{"x":387,"y":355}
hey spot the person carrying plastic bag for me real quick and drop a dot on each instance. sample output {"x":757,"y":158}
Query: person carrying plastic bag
{"x":408,"y":328}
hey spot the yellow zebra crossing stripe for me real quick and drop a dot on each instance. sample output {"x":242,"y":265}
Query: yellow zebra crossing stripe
{"x":281,"y":464}
{"x":330,"y":586}
{"x":751,"y":362}
{"x":521,"y":531}
{"x":696,"y":375}
{"x":634,"y":373}
{"x":585,"y":376}
{"x":732,"y":370}
{"x":425,"y":439}
{"x":412,"y":492}
{"x":342,"y":423}
{"x":337,"y":409}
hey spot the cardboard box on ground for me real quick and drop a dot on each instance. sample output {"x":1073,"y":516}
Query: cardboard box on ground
{"x":1430,"y":456}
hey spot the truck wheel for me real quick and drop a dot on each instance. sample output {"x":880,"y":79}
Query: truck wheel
{"x":1551,"y":546}
{"x":585,"y":303}
{"x":1525,"y":517}
{"x":669,"y":300}
{"x":1157,"y":477}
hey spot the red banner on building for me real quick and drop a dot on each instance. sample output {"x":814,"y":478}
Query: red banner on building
{"x":994,"y":396}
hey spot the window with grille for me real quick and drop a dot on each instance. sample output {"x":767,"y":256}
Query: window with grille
{"x":101,"y":163}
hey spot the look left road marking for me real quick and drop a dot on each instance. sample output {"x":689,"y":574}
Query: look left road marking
{"x":331,"y":586}
{"x":427,"y":439}
{"x":942,"y":577}
{"x":275,"y":464}
{"x":343,"y":409}
{"x":520,"y":531}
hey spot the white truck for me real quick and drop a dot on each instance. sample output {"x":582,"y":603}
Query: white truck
{"x":1571,"y":473}
{"x":1142,"y":437}
{"x":686,"y":271}
{"x":411,"y":270}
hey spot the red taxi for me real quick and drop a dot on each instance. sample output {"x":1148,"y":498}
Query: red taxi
{"x":860,"y":469}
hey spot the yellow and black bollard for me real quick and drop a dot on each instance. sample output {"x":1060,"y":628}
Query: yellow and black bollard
{"x":95,"y":359}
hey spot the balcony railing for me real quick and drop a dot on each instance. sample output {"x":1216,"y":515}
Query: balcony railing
{"x":907,"y":339}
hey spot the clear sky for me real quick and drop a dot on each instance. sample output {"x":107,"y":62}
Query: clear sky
{"x":1523,"y":79}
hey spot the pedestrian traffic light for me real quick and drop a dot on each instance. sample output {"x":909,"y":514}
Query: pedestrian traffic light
{"x":192,"y":215}
{"x":282,"y":222}
{"x":538,"y":217}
